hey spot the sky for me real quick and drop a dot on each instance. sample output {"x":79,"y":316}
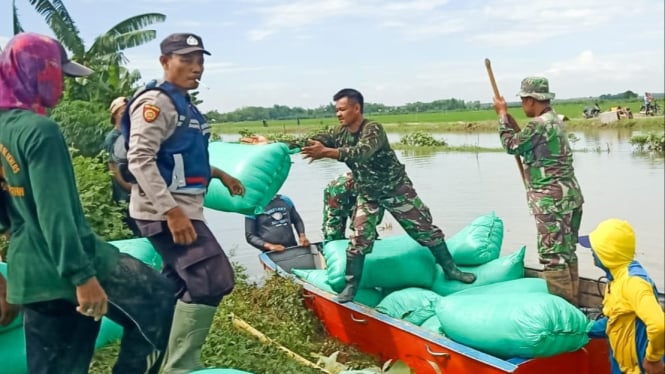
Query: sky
{"x":300,"y":52}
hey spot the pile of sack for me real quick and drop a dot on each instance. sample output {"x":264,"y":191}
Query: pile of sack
{"x":501,"y":313}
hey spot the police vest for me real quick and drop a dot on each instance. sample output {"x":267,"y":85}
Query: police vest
{"x":182,"y":159}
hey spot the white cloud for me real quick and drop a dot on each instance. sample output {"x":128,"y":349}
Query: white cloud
{"x":401,"y":14}
{"x":294,"y":15}
{"x":496,"y":23}
{"x":589,"y":74}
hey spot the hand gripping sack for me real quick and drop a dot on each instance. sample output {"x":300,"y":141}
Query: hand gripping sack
{"x":262,"y":169}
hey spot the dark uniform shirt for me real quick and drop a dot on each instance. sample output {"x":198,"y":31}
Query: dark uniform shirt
{"x":274,"y":224}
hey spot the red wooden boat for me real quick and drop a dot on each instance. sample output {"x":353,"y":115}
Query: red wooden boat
{"x":424,"y":351}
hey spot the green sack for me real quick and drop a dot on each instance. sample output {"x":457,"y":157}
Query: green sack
{"x":433,"y":324}
{"x":370,"y":297}
{"x":262,"y":169}
{"x":479,"y":242}
{"x":515,"y":286}
{"x":315,"y":277}
{"x":140,"y":249}
{"x":319,"y":278}
{"x":109,"y":332}
{"x":395,"y":262}
{"x":13,"y":358}
{"x":18,"y":321}
{"x":412,"y":304}
{"x":502,"y":269}
{"x":511,"y":325}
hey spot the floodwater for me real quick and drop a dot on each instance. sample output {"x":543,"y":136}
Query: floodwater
{"x":458,"y":187}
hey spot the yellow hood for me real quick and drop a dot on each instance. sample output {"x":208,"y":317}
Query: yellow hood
{"x":613,"y":242}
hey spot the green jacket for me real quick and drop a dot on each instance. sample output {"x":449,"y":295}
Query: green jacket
{"x":52,"y":248}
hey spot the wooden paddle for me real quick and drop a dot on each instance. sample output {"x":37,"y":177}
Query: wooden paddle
{"x":488,"y":65}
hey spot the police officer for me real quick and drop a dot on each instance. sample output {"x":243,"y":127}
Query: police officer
{"x":553,"y":193}
{"x":168,"y":156}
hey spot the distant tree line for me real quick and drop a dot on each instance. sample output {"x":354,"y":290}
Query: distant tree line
{"x":281,"y":112}
{"x":620,"y":96}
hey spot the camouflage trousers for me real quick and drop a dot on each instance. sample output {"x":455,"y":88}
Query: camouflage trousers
{"x":557,"y":238}
{"x":409,"y":211}
{"x":339,"y":202}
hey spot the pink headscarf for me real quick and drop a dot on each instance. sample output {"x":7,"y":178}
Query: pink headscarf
{"x":31,"y":73}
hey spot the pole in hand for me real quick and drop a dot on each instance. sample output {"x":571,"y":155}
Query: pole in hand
{"x":488,"y":66}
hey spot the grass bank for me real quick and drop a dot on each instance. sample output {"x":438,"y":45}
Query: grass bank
{"x":435,"y":123}
{"x":276,"y":309}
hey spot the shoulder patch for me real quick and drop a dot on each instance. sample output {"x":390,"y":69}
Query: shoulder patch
{"x":150,"y":112}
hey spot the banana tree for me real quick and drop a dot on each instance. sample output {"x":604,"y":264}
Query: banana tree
{"x":16,"y":23}
{"x":105,"y":56}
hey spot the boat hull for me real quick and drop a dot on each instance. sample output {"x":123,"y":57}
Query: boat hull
{"x":427,"y":352}
{"x":424,"y":351}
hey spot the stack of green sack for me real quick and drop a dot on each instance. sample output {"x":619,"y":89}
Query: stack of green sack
{"x":399,"y":262}
{"x":491,"y":314}
{"x":12,"y":338}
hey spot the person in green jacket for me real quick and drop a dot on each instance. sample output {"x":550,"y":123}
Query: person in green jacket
{"x":63,"y":275}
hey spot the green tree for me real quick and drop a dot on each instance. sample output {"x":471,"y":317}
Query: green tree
{"x":17,"y":24}
{"x":84,"y":125}
{"x":105,"y":55}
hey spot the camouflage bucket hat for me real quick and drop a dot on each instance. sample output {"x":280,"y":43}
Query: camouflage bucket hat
{"x":536,"y":87}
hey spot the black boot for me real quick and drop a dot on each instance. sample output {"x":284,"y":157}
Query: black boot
{"x":443,"y":258}
{"x":354,"y":270}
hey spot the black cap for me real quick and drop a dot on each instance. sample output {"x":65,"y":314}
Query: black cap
{"x":71,"y":68}
{"x":182,"y":44}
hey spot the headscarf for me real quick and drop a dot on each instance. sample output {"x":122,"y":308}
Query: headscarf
{"x":31,"y":75}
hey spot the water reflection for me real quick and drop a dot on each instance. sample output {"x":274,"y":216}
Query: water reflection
{"x":459,"y":186}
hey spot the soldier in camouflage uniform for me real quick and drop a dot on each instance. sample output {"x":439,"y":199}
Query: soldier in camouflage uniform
{"x":380,"y":182}
{"x":553,"y":193}
{"x":339,"y":201}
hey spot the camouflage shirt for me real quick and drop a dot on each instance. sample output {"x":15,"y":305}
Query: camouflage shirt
{"x":548,"y":163}
{"x":376,"y":170}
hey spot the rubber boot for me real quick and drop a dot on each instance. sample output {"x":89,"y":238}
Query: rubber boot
{"x":559,"y":283}
{"x":575,"y":283}
{"x":354,"y":270}
{"x":191,"y":323}
{"x":445,"y":259}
